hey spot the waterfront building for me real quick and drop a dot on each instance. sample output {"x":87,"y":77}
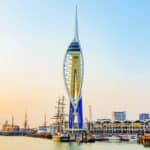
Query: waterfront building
{"x":119,"y":116}
{"x":120,"y":127}
{"x":73,"y":78}
{"x":147,"y":126}
{"x":144,"y":116}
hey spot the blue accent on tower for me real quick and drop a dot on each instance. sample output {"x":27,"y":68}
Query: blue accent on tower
{"x":79,"y":115}
{"x":74,"y":46}
{"x":71,"y":116}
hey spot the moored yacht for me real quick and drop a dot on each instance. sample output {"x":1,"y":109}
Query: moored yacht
{"x":133,"y":138}
{"x":113,"y":138}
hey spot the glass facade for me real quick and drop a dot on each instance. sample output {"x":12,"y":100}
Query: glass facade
{"x":119,"y":116}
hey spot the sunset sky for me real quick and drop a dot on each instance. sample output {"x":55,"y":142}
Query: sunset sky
{"x":34,"y":36}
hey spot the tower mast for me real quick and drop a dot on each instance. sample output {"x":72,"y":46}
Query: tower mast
{"x":76,"y":35}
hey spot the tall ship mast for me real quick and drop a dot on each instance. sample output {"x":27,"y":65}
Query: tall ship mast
{"x":60,"y":114}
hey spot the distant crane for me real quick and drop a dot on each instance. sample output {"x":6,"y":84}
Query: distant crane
{"x":12,"y":121}
{"x":89,"y":119}
{"x":26,"y":121}
{"x":45,"y":121}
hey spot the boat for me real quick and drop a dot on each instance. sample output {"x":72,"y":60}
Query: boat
{"x":100,"y":138}
{"x":129,"y":138}
{"x":114,"y":138}
{"x":65,"y":137}
{"x":39,"y":135}
{"x":133,"y":138}
{"x":13,"y":133}
{"x":56,"y":137}
{"x":59,"y":124}
{"x":125,"y":138}
{"x":90,"y":139}
{"x":78,"y":139}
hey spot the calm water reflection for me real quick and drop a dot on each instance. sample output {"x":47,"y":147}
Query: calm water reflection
{"x":26,"y":143}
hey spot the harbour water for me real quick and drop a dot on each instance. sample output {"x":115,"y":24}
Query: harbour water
{"x":27,"y":143}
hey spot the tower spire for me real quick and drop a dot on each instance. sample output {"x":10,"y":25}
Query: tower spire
{"x":76,"y":36}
